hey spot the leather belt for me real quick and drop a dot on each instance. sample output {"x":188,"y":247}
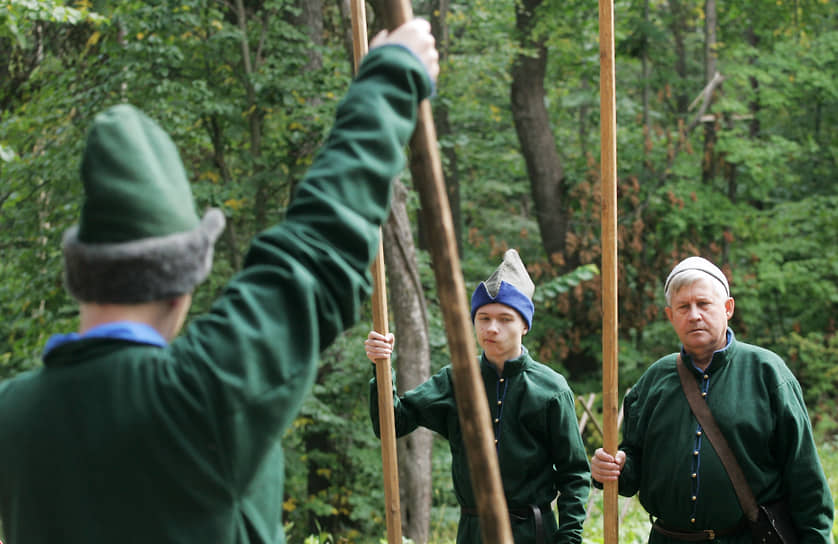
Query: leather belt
{"x":698,"y":536}
{"x":521,"y":514}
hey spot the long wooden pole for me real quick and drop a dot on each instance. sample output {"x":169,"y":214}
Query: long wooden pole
{"x":608,"y":166}
{"x":472,"y":406}
{"x":383,"y":373}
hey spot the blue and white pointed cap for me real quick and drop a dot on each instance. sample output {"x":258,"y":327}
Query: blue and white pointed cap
{"x":509,"y":284}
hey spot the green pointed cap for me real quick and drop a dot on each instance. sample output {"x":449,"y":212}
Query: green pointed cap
{"x":134,"y":181}
{"x":138,"y":238}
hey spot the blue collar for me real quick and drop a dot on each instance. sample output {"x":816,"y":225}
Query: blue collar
{"x":120,"y":330}
{"x":729,"y":336}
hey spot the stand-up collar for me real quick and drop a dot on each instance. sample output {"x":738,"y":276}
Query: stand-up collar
{"x":120,"y":330}
{"x":511,"y":367}
{"x":720,"y":357}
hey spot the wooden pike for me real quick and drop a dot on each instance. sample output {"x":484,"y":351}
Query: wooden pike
{"x":383,"y":373}
{"x":475,"y":419}
{"x":608,"y":166}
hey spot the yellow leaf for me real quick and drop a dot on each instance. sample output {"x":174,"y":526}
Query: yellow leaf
{"x":94,"y":38}
{"x":235,"y":204}
{"x":217,"y":24}
{"x":211,"y":175}
{"x":302,"y":421}
{"x":140,"y":35}
{"x":290,"y":505}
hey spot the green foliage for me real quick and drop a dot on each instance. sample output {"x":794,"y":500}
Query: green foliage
{"x":564,"y":283}
{"x":248,"y":130}
{"x":335,"y":418}
{"x":814,"y":359}
{"x":40,"y":141}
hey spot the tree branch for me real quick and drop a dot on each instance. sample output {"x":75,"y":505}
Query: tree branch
{"x":705,"y":95}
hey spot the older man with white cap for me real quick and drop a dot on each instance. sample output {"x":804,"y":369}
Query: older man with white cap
{"x":757,"y":403}
{"x":540,"y":450}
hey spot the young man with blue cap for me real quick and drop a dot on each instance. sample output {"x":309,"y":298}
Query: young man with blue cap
{"x":540,"y":451}
{"x":133,"y":434}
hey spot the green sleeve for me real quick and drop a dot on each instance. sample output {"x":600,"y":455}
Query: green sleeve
{"x":631,"y":444}
{"x":253,"y":357}
{"x":429,"y":405}
{"x":807,"y":491}
{"x":573,"y":473}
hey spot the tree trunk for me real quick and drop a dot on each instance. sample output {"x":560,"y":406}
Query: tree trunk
{"x":710,"y":159}
{"x":678,"y":20}
{"x":645,"y":69}
{"x":439,"y":28}
{"x":535,"y":135}
{"x":407,"y":301}
{"x":311,"y":18}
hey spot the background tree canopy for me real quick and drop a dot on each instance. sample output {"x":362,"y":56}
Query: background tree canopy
{"x":726,"y":148}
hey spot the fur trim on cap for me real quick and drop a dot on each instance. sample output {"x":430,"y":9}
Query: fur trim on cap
{"x":143,"y":270}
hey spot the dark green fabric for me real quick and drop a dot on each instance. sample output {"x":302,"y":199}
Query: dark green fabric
{"x":114,"y":441}
{"x":134,"y":181}
{"x":759,"y":407}
{"x":540,"y":451}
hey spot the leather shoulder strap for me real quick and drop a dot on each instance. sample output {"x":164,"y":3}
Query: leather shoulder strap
{"x":702,"y":413}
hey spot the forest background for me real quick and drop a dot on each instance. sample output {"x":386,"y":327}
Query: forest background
{"x":727,"y":148}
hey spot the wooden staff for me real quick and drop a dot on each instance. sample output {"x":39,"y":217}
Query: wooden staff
{"x":472,"y":406}
{"x":608,"y":166}
{"x":383,"y":374}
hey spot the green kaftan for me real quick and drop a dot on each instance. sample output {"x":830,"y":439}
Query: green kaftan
{"x":759,"y":407}
{"x":540,"y":450}
{"x":116,"y":441}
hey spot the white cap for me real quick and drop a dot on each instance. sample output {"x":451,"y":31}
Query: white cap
{"x":701,"y":264}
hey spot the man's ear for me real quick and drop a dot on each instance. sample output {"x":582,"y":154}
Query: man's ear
{"x":729,"y":306}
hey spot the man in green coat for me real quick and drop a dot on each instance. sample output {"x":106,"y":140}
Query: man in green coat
{"x":758,"y":406}
{"x":130,"y":433}
{"x":540,"y":451}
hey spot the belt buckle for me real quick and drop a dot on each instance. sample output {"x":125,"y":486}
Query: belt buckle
{"x":711,"y":534}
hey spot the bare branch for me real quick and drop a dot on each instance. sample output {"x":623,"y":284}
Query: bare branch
{"x":705,"y":95}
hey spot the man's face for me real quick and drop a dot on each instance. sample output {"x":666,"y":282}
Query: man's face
{"x":499,"y":329}
{"x":699,"y":315}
